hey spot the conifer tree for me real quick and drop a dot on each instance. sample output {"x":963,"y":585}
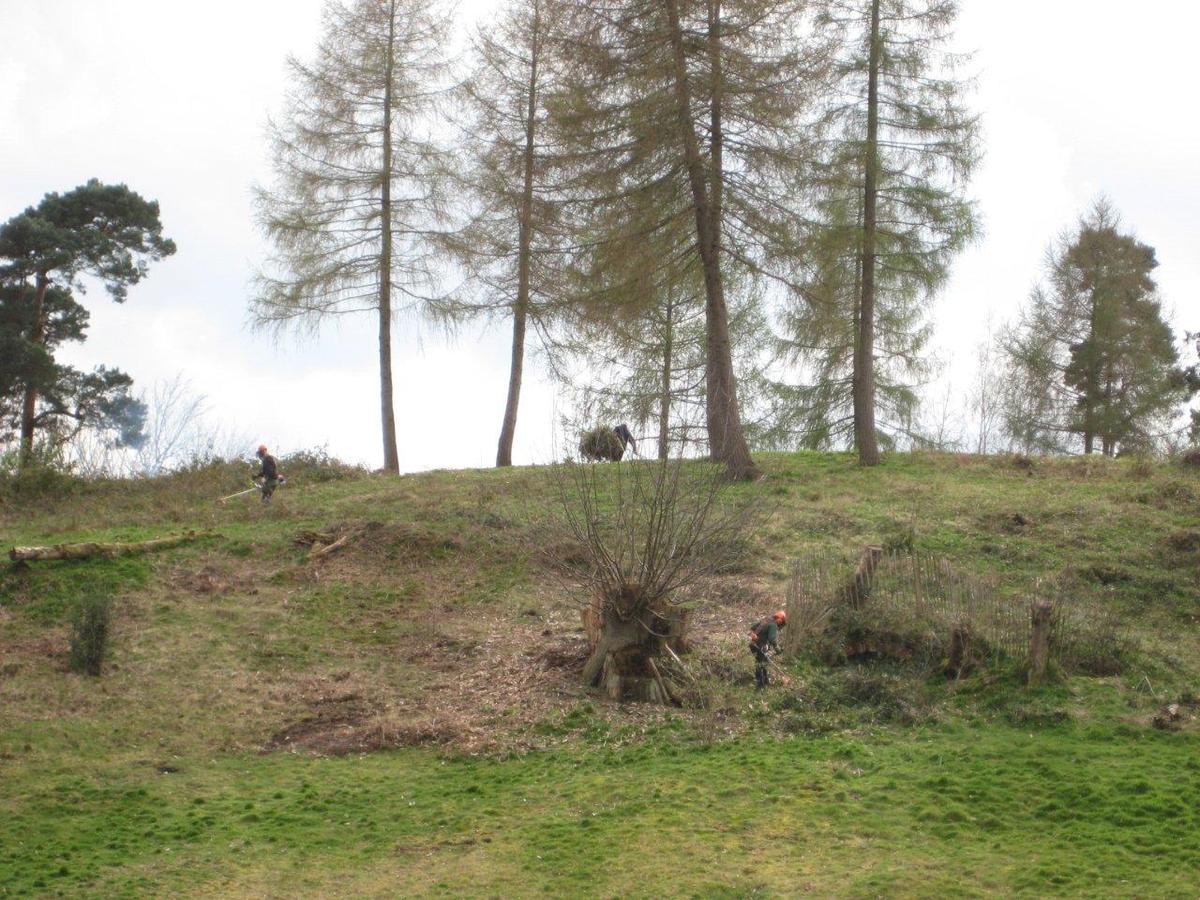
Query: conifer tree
{"x":512,"y":242}
{"x":649,"y":371}
{"x":99,"y":230}
{"x":686,"y":117}
{"x":357,"y":202}
{"x":897,"y":146}
{"x":1093,"y":365}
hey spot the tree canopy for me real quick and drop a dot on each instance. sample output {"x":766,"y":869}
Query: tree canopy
{"x":1093,"y":364}
{"x":101,"y":231}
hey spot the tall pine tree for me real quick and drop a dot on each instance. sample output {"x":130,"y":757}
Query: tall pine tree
{"x":102,"y":231}
{"x":1092,"y":363}
{"x":897,"y":147}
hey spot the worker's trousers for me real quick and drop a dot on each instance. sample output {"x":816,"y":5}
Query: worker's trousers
{"x":762,"y":672}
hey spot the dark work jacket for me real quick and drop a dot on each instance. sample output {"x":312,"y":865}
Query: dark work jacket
{"x":270,"y":469}
{"x":765,"y":634}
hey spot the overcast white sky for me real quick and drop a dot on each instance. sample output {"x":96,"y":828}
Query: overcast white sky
{"x":1079,"y":97}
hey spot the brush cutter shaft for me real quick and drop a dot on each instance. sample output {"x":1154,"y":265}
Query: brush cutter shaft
{"x":239,"y":493}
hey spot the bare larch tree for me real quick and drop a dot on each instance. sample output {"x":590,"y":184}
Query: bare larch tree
{"x":356,"y":199}
{"x":511,"y":242}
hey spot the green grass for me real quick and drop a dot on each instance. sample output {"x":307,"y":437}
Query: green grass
{"x":151,"y":780}
{"x":949,"y":812}
{"x":46,"y":595}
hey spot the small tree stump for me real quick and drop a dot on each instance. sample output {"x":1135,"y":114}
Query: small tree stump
{"x":960,"y":661}
{"x":858,"y":589}
{"x":1041,"y":614}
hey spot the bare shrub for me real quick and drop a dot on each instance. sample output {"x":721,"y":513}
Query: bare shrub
{"x":1142,"y":467}
{"x":1086,"y":637}
{"x":315,"y":465}
{"x":89,"y":635}
{"x":648,"y":533}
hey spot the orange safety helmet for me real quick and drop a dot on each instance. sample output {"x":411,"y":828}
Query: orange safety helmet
{"x":780,"y":618}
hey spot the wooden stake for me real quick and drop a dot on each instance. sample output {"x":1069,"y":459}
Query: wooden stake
{"x":1041,"y":614}
{"x":856,"y":592}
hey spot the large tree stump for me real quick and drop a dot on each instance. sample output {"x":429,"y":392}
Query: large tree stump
{"x":1041,"y":616}
{"x":627,"y":636}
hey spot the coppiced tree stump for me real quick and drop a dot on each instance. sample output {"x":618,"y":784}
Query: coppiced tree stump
{"x":649,"y":532}
{"x":626,"y":636}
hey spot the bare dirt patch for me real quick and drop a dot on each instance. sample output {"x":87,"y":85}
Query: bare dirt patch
{"x":210,"y":579}
{"x":487,"y":680}
{"x":330,"y":726}
{"x":53,"y":645}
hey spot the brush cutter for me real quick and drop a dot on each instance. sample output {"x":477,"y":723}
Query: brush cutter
{"x":784,"y":678}
{"x":250,"y":490}
{"x":240,"y":493}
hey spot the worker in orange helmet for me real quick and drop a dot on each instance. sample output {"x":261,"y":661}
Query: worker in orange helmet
{"x":764,"y":642}
{"x":268,"y":474}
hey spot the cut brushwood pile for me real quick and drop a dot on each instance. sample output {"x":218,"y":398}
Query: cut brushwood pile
{"x":92,"y":549}
{"x":325,"y":543}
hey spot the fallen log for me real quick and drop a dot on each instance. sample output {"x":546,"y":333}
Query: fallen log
{"x":91,"y":549}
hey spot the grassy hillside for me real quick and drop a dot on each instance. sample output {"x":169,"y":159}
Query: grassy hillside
{"x":404,"y":716}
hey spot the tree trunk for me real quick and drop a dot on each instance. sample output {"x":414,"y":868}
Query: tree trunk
{"x":391,"y":455}
{"x":961,"y":657}
{"x":97,"y":548}
{"x":624,"y":647}
{"x":1108,"y":443}
{"x":864,"y":350}
{"x":727,"y":441}
{"x":857,"y":590}
{"x":29,"y":406}
{"x":509,"y":428}
{"x":524,"y":245}
{"x":664,"y":404}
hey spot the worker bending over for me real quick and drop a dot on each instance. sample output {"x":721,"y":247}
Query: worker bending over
{"x":268,"y":474}
{"x":764,"y":641}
